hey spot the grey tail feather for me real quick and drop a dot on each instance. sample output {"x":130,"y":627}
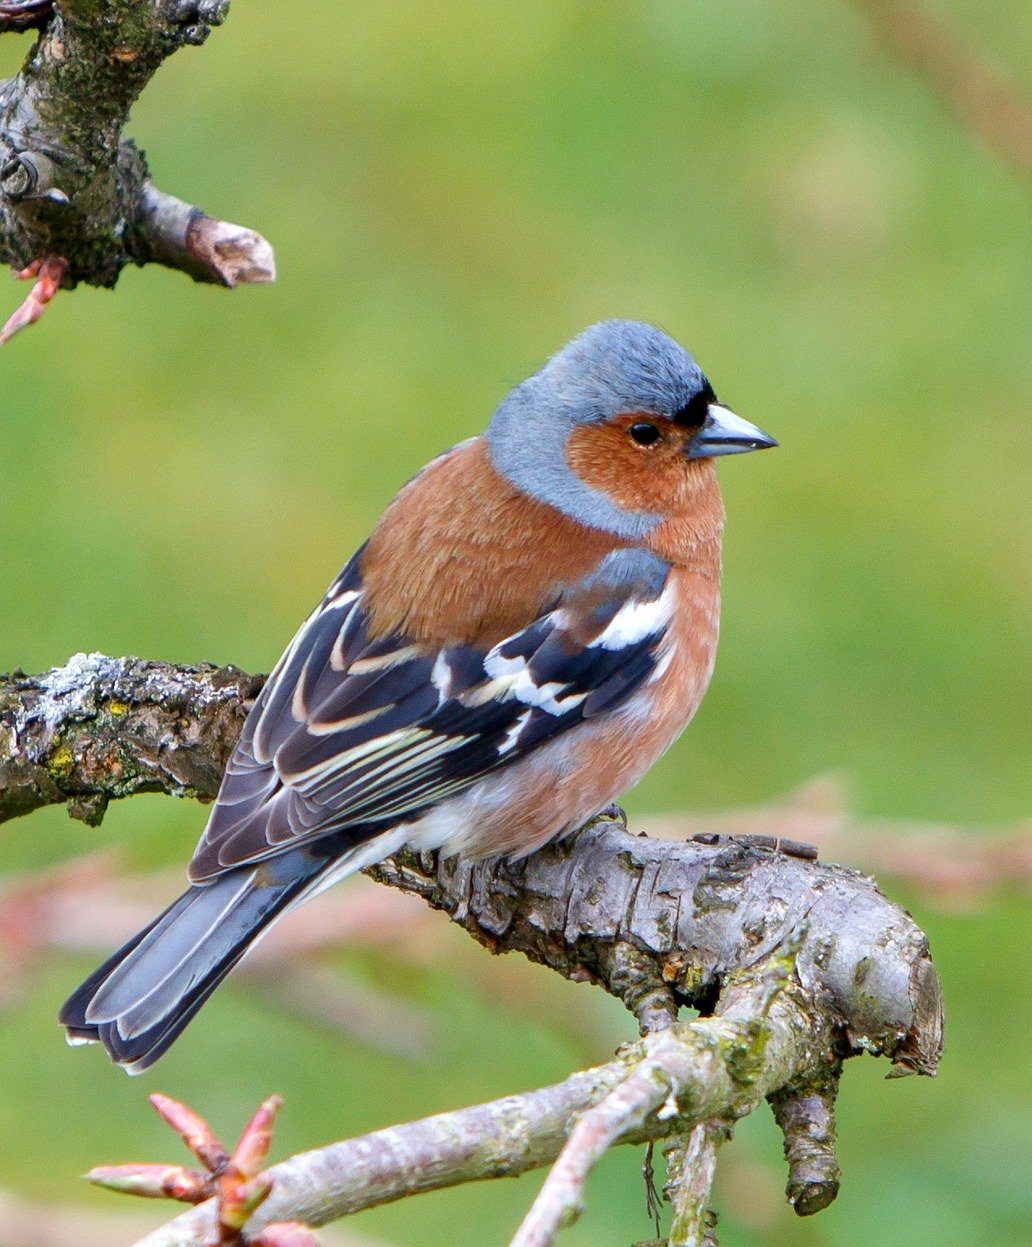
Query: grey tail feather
{"x":140,"y":999}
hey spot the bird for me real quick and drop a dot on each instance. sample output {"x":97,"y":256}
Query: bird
{"x":530,"y":625}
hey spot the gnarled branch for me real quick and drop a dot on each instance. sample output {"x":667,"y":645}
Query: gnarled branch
{"x":794,"y":964}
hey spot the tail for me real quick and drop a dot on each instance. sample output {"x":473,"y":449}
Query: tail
{"x":140,"y":1000}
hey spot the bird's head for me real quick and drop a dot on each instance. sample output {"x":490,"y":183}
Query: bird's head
{"x":613,"y":430}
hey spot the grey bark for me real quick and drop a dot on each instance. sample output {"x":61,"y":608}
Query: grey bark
{"x":658,"y":924}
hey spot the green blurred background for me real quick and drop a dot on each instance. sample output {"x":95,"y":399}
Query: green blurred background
{"x":453,"y":190}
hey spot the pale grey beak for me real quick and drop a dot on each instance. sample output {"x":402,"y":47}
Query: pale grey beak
{"x":724,"y":433}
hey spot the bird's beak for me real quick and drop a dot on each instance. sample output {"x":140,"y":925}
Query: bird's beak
{"x":724,"y":433}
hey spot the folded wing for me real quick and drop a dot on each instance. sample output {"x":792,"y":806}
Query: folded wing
{"x":360,"y":732}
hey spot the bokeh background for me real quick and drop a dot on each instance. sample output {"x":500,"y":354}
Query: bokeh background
{"x":453,"y":190}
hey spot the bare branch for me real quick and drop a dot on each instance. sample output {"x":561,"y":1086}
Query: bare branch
{"x":72,"y":190}
{"x":807,"y":1120}
{"x":708,"y":1068}
{"x":180,"y":236}
{"x":605,"y":906}
{"x":679,"y":1069}
{"x":956,"y":868}
{"x":691,"y":1165}
{"x":806,"y":962}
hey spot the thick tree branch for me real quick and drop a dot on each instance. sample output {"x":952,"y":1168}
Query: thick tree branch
{"x":719,"y":1066}
{"x":100,"y":728}
{"x":70,"y":185}
{"x":793,"y":963}
{"x":652,"y":921}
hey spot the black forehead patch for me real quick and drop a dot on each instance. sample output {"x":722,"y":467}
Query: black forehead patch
{"x":693,"y":413}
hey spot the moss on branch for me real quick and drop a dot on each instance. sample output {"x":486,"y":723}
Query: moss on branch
{"x":70,"y":184}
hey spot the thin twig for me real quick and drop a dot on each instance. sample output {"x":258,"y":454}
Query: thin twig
{"x":807,"y":1119}
{"x":659,"y":1078}
{"x":75,"y":196}
{"x":691,"y":1164}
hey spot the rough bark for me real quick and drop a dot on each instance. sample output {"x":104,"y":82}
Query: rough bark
{"x":101,"y":728}
{"x":793,"y":963}
{"x":764,"y":1033}
{"x":70,"y":185}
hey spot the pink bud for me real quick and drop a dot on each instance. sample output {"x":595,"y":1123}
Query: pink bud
{"x":153,"y":1181}
{"x":256,"y":1139}
{"x":193,"y":1130}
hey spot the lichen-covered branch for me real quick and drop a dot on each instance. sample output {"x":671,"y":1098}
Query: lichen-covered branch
{"x":793,"y":963}
{"x":714,"y":1067}
{"x":70,"y":185}
{"x":100,"y":728}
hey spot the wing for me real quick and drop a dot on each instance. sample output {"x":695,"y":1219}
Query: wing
{"x":353,"y":731}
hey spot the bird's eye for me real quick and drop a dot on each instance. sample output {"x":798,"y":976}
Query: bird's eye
{"x":644,"y":433}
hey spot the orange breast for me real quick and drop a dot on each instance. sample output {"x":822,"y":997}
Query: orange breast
{"x":462,"y":556}
{"x":567,"y":782}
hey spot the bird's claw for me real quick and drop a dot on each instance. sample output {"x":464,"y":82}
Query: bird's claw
{"x":611,"y":814}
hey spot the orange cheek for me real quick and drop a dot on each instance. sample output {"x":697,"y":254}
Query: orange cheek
{"x":637,"y":478}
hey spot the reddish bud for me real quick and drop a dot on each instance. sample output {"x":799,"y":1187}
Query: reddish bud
{"x":193,"y":1130}
{"x":153,"y":1181}
{"x":50,"y":272}
{"x":256,"y":1139}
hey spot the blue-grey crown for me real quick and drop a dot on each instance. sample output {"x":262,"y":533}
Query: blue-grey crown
{"x":615,"y":366}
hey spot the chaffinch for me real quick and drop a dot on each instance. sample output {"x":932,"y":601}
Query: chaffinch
{"x":530,"y":626}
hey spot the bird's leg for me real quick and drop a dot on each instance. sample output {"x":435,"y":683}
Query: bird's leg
{"x":611,"y":814}
{"x":49,"y":273}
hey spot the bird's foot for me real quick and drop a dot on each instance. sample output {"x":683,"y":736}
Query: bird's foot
{"x":611,"y":814}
